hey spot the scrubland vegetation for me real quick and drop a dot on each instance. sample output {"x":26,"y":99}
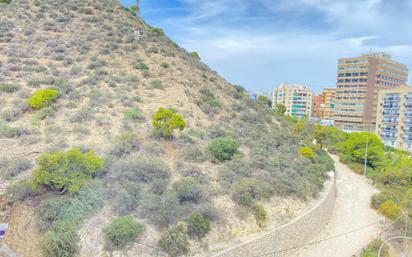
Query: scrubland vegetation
{"x":135,"y":126}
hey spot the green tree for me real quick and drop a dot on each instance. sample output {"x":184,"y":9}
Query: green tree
{"x":280,"y":109}
{"x":174,"y":241}
{"x":197,"y":225}
{"x":120,"y":232}
{"x":42,"y":98}
{"x":195,"y":55}
{"x":223,"y":148}
{"x":355,"y":147}
{"x":320,"y":133}
{"x":264,"y":100}
{"x":307,"y":152}
{"x":66,"y":170}
{"x":165,"y":122}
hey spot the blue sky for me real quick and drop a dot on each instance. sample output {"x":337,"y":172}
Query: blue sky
{"x":261,"y":43}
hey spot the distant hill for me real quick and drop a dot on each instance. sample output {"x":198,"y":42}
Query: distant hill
{"x":234,"y":164}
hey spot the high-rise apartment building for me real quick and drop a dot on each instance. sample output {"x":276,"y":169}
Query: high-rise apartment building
{"x":328,"y":103}
{"x":394,"y":117}
{"x":359,"y":80}
{"x":298,"y":99}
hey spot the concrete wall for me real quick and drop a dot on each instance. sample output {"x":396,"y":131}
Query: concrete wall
{"x":296,"y":233}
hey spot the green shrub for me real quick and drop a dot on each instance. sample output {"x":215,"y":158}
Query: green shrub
{"x":174,"y":241}
{"x":157,"y":31}
{"x":195,"y":55}
{"x":354,"y":147}
{"x":373,"y":248}
{"x":120,"y":232}
{"x":125,"y":144}
{"x":188,"y":189}
{"x":134,"y":114}
{"x":193,"y":154}
{"x":197,"y":225}
{"x":306,"y":152}
{"x":137,"y":99}
{"x":156,"y":84}
{"x":246,"y":191}
{"x":208,"y":102}
{"x":223,"y":149}
{"x":66,"y":170}
{"x":280,"y":109}
{"x":165,"y":122}
{"x":13,"y":167}
{"x":53,"y":212}
{"x":8,"y":131}
{"x":390,"y":210}
{"x":19,"y":191}
{"x":42,"y":98}
{"x":260,"y":215}
{"x":61,"y":243}
{"x":164,"y":65}
{"x":9,"y":88}
{"x":141,"y":66}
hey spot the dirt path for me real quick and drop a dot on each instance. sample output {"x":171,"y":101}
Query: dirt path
{"x":351,"y":212}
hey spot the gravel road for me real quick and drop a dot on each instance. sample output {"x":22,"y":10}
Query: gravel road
{"x":351,"y":212}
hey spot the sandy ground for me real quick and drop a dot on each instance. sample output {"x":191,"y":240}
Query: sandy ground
{"x":352,"y":212}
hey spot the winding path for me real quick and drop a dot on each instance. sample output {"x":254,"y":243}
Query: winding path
{"x":351,"y":212}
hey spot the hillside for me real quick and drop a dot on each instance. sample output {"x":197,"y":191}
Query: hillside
{"x":234,"y":166}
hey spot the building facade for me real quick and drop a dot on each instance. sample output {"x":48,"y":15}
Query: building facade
{"x":394,"y":117}
{"x":328,"y":103}
{"x":298,"y":99}
{"x":317,"y":106}
{"x":359,"y":80}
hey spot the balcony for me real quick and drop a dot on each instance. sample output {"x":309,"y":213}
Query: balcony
{"x":408,"y":114}
{"x":392,"y":99}
{"x":390,"y":137}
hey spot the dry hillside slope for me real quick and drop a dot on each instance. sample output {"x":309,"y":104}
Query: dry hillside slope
{"x":112,"y":72}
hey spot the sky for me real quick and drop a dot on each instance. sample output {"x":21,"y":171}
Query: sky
{"x":261,"y":43}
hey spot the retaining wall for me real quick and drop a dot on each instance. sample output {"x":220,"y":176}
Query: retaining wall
{"x":291,"y":235}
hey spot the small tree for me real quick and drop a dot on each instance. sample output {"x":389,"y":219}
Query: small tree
{"x":174,"y":241}
{"x":307,"y":152}
{"x":280,"y":109}
{"x":197,"y":225}
{"x":264,"y":100}
{"x":42,"y":98}
{"x":120,"y":232}
{"x":223,"y":148}
{"x":165,"y":122}
{"x":66,"y":170}
{"x":260,"y":215}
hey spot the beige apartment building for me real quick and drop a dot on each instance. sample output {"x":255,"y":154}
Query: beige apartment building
{"x":359,"y":80}
{"x":298,"y":99}
{"x":328,"y":103}
{"x":394,"y":117}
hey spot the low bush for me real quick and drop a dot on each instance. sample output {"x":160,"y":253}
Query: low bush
{"x":42,"y":98}
{"x":246,"y":191}
{"x":390,"y":210}
{"x":8,"y":131}
{"x":157,"y":31}
{"x":174,"y":240}
{"x":164,"y":65}
{"x":193,"y":154}
{"x":208,"y":102}
{"x":137,"y":99}
{"x":134,"y":114}
{"x":165,"y":122}
{"x":125,"y":144}
{"x":64,"y":171}
{"x":141,"y":169}
{"x":260,"y":215}
{"x":188,"y":189}
{"x":141,"y":66}
{"x":85,"y":114}
{"x":197,"y":225}
{"x":19,"y":191}
{"x":373,"y":248}
{"x":120,"y":232}
{"x":223,"y":149}
{"x":61,"y":243}
{"x":306,"y":152}
{"x":12,"y":167}
{"x":195,"y":55}
{"x":9,"y":88}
